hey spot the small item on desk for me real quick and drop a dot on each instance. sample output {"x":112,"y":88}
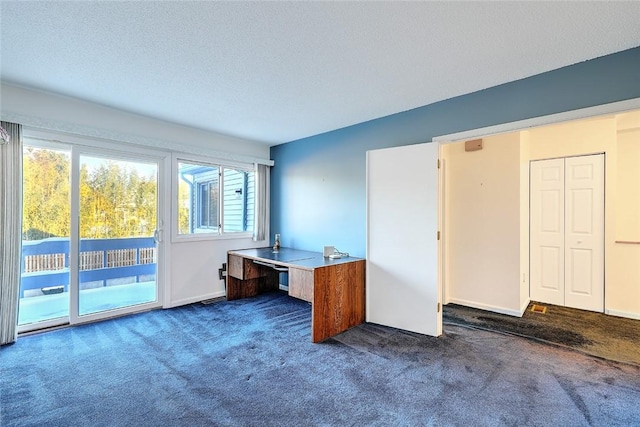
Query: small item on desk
{"x":337,"y":254}
{"x":276,"y":245}
{"x":328,"y":251}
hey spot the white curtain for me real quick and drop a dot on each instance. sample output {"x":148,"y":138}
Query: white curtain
{"x":10,"y":230}
{"x":260,"y":225}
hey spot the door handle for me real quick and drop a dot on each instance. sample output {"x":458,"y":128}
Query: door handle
{"x":156,"y":236}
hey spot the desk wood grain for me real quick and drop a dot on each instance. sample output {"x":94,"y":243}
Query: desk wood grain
{"x":338,"y":299}
{"x":246,"y":279}
{"x":301,"y":283}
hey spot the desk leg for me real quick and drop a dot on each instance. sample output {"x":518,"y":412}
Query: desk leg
{"x":237,"y":288}
{"x":338,"y":299}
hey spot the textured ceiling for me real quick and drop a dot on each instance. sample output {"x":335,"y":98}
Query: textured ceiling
{"x":279,"y":71}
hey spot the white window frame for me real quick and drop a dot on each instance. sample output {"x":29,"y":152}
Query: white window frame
{"x":203,"y":234}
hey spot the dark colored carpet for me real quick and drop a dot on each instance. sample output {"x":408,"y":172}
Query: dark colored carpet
{"x":596,"y":334}
{"x":251,"y":363}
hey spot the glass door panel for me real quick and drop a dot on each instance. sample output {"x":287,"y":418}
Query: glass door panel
{"x":118,"y":211}
{"x":44,"y":285}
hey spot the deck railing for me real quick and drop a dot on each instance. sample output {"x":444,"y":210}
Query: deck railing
{"x":45,"y":263}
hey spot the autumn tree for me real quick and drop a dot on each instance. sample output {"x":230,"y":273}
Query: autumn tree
{"x":115,"y":200}
{"x":46,"y":196}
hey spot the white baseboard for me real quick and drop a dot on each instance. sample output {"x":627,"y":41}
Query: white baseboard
{"x":198,"y":298}
{"x":520,"y":313}
{"x":635,"y":316}
{"x":495,"y":309}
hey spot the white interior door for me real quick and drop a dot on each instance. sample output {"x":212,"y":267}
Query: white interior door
{"x":584,"y":232}
{"x":547,"y":231}
{"x":402,"y":249}
{"x":567,"y":232}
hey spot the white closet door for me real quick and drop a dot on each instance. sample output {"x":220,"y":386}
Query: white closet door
{"x":584,"y":232}
{"x":402,"y":249}
{"x":567,"y":232}
{"x":547,"y":231}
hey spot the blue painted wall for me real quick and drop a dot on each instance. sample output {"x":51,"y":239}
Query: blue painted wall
{"x":318,"y":183}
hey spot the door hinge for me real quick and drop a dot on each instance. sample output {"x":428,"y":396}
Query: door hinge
{"x":438,"y":235}
{"x":438,"y":308}
{"x":438,"y":163}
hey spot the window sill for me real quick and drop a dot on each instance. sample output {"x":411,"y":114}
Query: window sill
{"x":199,"y":237}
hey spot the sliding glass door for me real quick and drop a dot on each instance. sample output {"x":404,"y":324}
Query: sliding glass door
{"x":90,"y":234}
{"x":118,"y":217}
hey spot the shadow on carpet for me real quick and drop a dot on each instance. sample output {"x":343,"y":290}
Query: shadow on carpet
{"x":595,"y":334}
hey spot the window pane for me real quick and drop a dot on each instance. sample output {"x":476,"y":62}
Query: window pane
{"x":212,"y":205}
{"x":207,"y":205}
{"x":238,"y":200}
{"x":46,"y":219}
{"x":198,"y":198}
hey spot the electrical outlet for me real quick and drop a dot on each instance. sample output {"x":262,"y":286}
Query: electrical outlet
{"x":222,"y":272}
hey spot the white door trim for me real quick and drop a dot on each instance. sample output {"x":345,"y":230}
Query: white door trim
{"x":583,"y":113}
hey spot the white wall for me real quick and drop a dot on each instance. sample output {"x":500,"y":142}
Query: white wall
{"x":191,"y":268}
{"x":604,"y":135}
{"x":628,"y":177}
{"x":480,"y":218}
{"x":482,"y":205}
{"x":624,"y":296}
{"x":482,"y":208}
{"x":48,"y":111}
{"x":194,"y":269}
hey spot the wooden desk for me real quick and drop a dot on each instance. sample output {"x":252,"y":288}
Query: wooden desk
{"x":335,"y":288}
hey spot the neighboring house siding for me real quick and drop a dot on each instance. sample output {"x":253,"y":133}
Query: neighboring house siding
{"x":238,"y":196}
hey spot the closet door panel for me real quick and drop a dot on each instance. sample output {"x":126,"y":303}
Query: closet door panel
{"x":547,"y":231}
{"x":584,"y":232}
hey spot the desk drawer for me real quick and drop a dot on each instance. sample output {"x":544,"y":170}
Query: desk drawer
{"x":301,"y":284}
{"x":243,"y":268}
